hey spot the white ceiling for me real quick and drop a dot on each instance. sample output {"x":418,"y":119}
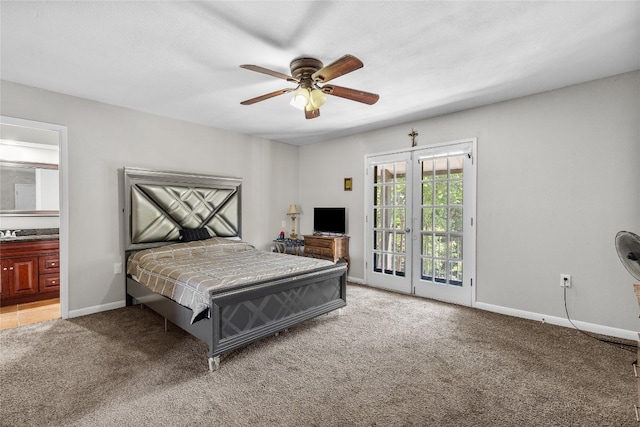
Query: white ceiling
{"x":181,"y":59}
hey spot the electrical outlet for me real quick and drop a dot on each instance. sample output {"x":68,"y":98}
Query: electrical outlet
{"x":284,"y":224}
{"x":117,"y":268}
{"x":565,"y":280}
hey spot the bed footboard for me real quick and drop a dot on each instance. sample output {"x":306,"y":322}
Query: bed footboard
{"x":245,"y":315}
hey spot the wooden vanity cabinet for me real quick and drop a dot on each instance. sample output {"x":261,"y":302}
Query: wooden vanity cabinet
{"x":30,"y":271}
{"x":19,"y":276}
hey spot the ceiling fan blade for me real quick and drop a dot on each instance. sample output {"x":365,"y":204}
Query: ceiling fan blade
{"x":263,"y":70}
{"x":344,"y":65}
{"x":352,"y":94}
{"x":311,"y":114}
{"x":266,"y":96}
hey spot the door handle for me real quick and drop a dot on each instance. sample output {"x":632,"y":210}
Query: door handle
{"x":407,"y":230}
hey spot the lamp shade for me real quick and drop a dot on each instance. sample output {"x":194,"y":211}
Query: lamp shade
{"x":317,"y":98}
{"x":301,"y":98}
{"x":293,"y":210}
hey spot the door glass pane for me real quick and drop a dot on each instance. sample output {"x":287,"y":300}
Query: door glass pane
{"x":427,"y":269}
{"x":439,"y":270}
{"x":455,"y":247}
{"x":400,"y":194}
{"x":427,"y":245}
{"x":427,"y":193}
{"x":401,"y":220}
{"x":455,"y":192}
{"x":427,"y":169}
{"x":455,"y":220}
{"x":377,"y":196}
{"x":441,"y":168}
{"x":441,"y":192}
{"x":455,"y":167}
{"x":440,"y":246}
{"x":440,"y":217}
{"x":399,"y":265}
{"x":427,"y":219}
{"x":400,"y":243}
{"x":455,"y":273}
{"x":377,"y":240}
{"x":387,"y":195}
{"x":377,"y":262}
{"x":387,"y":218}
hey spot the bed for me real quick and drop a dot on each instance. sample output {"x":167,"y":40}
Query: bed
{"x":228,"y":293}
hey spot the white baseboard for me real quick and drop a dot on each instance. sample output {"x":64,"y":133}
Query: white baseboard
{"x":560,"y":321}
{"x":96,"y":309}
{"x":355,"y":280}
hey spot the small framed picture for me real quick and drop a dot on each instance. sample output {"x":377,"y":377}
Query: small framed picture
{"x":347,"y":184}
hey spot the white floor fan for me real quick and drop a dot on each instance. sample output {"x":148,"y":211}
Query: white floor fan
{"x":628,"y":247}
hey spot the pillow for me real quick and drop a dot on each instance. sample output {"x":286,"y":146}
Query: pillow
{"x":190,"y":235}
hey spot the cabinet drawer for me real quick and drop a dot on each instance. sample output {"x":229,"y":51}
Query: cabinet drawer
{"x":323,"y":252}
{"x":49,"y":282}
{"x":49,"y":264}
{"x":319,"y":243}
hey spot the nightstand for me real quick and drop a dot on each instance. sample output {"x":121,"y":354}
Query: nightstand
{"x":289,"y":246}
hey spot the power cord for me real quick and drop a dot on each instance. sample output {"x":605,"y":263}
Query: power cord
{"x":621,"y":345}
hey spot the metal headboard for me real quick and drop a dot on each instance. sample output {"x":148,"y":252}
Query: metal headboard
{"x":159,"y":204}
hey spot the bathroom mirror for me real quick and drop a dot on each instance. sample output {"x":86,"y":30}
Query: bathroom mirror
{"x":29,"y":179}
{"x":29,"y":189}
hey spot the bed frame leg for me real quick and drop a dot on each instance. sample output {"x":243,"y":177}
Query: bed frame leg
{"x":214,"y":363}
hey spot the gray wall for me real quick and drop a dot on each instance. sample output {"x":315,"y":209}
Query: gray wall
{"x":104,"y":138}
{"x":558,"y":177}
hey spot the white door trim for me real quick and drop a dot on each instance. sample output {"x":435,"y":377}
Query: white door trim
{"x":63,"y":168}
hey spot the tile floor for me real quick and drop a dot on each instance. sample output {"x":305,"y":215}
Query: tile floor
{"x":12,"y":316}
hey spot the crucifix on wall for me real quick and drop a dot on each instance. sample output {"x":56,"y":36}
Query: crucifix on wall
{"x":413,"y":135}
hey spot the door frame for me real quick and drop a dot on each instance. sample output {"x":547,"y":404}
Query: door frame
{"x":442,"y":145}
{"x":63,"y":168}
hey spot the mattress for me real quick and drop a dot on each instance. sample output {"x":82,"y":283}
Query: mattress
{"x":188,"y":272}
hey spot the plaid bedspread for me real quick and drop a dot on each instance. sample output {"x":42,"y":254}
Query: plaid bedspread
{"x":187,"y":272}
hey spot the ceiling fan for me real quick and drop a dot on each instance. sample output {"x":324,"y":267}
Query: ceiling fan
{"x":308,"y":74}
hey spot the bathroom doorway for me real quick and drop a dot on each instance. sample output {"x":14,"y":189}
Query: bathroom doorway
{"x":21,"y":133}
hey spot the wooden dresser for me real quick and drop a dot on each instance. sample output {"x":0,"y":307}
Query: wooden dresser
{"x":332,"y":248}
{"x":30,"y":271}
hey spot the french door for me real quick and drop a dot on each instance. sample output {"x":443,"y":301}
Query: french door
{"x":420,"y":231}
{"x":388,"y":221}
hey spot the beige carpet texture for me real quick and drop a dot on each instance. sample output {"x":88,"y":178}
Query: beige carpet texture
{"x":388,"y":360}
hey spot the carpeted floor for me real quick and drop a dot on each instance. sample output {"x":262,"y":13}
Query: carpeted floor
{"x":389,"y":360}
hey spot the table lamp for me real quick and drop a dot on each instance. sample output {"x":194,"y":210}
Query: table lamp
{"x":293,"y":212}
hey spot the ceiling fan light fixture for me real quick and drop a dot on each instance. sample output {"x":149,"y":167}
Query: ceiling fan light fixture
{"x":301,"y":98}
{"x":317,"y":98}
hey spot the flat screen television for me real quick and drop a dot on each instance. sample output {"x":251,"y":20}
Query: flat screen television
{"x":329,"y":220}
